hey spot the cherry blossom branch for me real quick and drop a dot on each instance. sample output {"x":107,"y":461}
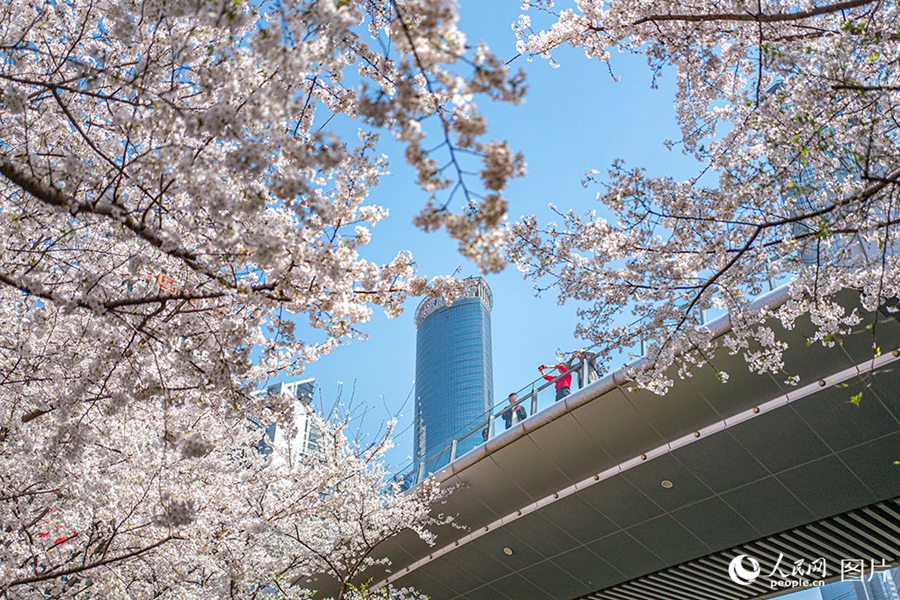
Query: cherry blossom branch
{"x":38,"y":292}
{"x":55,"y":197}
{"x":52,"y":574}
{"x":866,"y":88}
{"x":445,"y":126}
{"x":760,"y":17}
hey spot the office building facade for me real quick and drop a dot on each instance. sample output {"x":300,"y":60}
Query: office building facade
{"x":872,"y":586}
{"x":454,"y":373}
{"x":304,"y":442}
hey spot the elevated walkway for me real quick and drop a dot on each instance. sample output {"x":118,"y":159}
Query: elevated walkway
{"x":619,"y":494}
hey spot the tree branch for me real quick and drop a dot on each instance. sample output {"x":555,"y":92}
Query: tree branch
{"x":759,"y":17}
{"x":53,"y":196}
{"x":867,"y":88}
{"x":99,"y":563}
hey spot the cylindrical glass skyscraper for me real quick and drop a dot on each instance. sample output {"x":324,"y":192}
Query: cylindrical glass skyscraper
{"x":454,"y":373}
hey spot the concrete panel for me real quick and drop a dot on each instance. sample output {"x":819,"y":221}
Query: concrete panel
{"x":576,"y":517}
{"x":567,"y":445}
{"x":716,"y":524}
{"x":492,"y":545}
{"x":842,"y":424}
{"x":556,"y":581}
{"x":529,"y":469}
{"x":617,"y":426}
{"x":518,"y":588}
{"x":587,"y":567}
{"x":620,"y":502}
{"x":675,"y":415}
{"x":626,"y":554}
{"x":686,"y":489}
{"x":873,"y":464}
{"x":541,"y":535}
{"x":768,"y":506}
{"x":484,"y":492}
{"x":826,"y":487}
{"x":669,"y":540}
{"x":779,"y":440}
{"x":733,"y":466}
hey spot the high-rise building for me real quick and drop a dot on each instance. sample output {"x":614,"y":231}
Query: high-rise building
{"x":454,"y":373}
{"x":873,"y":586}
{"x":304,"y":442}
{"x":883,"y":586}
{"x":843,"y":590}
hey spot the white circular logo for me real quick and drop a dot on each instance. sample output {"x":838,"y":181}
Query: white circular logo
{"x":741,"y":575}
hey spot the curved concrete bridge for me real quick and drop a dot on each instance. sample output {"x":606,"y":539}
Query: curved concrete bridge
{"x":630,"y":496}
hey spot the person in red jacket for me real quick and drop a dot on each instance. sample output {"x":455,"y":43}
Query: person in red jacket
{"x":563,"y":384}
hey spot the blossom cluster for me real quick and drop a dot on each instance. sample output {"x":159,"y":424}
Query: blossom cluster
{"x":790,"y":110}
{"x":178,"y":198}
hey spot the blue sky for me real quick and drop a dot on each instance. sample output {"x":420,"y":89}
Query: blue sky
{"x":575,"y":118}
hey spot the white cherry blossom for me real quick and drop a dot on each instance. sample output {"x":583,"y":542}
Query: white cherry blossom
{"x":179,"y":195}
{"x":790,"y":108}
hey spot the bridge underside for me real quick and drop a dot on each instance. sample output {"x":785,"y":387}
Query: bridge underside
{"x":870,"y":534}
{"x":626,"y":495}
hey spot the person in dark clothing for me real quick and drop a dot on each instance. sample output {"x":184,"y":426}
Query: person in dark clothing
{"x":590,"y":366}
{"x":563,"y":384}
{"x":515,"y":412}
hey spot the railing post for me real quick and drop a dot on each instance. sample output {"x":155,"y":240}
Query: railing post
{"x":583,"y":372}
{"x":533,"y":401}
{"x":420,"y":474}
{"x":453,"y":450}
{"x":703,"y":316}
{"x":643,"y":351}
{"x":490,"y":426}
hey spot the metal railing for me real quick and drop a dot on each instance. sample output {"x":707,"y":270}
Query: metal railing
{"x":533,"y":396}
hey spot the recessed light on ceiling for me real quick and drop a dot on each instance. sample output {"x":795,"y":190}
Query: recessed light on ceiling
{"x":508,"y":551}
{"x":666,"y":484}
